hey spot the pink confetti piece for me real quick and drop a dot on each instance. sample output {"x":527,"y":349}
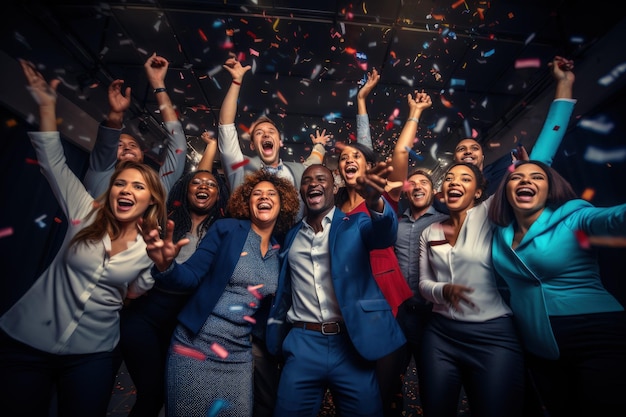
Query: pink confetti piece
{"x":253,"y":289}
{"x":189,"y":352}
{"x":249,"y":319}
{"x":219,"y":350}
{"x":527,"y":63}
{"x":7,"y":231}
{"x":75,"y":222}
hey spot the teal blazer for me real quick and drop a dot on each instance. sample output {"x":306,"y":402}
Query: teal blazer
{"x":551,"y":274}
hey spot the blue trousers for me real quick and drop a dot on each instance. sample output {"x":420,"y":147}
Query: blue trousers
{"x":484,"y":358}
{"x":28,"y":378}
{"x":315,"y":362}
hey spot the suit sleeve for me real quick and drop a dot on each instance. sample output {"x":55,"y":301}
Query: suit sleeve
{"x":553,"y":130}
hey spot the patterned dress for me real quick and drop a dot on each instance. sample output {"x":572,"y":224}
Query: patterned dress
{"x":201,"y":379}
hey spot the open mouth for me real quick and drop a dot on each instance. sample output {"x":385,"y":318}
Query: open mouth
{"x":202,"y":196}
{"x":525,"y":193}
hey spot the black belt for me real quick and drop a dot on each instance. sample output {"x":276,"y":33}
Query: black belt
{"x":328,"y":328}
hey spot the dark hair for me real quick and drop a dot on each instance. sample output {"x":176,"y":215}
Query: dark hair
{"x":559,"y":192}
{"x":481,"y":182}
{"x":238,"y":203}
{"x":371,"y":158}
{"x":178,"y":206}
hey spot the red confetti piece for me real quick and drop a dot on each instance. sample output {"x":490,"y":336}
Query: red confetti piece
{"x":527,"y":63}
{"x":189,"y":352}
{"x":179,"y":151}
{"x":276,"y":246}
{"x":76,"y":222}
{"x":7,"y":231}
{"x":202,"y":35}
{"x":238,"y":165}
{"x":57,"y":220}
{"x":583,"y":240}
{"x":167,"y":173}
{"x":249,"y":319}
{"x":32,"y":161}
{"x":177,"y":203}
{"x":556,"y":128}
{"x":219,"y":350}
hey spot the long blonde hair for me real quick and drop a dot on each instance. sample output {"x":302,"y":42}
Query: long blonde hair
{"x":105,"y":221}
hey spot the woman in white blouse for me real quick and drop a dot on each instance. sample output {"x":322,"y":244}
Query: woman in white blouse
{"x":62,"y":334}
{"x":470,"y":341}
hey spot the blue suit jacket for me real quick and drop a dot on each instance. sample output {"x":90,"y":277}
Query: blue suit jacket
{"x":368,"y":318}
{"x":208,"y":270}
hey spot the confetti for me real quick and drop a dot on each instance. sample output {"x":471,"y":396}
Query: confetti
{"x":216,"y":407}
{"x":189,"y":352}
{"x":219,"y":350}
{"x":249,"y":319}
{"x":582,"y":238}
{"x":588,"y":194}
{"x":241,"y":164}
{"x":7,"y":231}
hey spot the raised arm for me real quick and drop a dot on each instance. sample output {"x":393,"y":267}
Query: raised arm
{"x":210,"y":151}
{"x":227,"y":139}
{"x":174,"y":163}
{"x":363,"y":133}
{"x":320,"y":139}
{"x":400,"y":158}
{"x":557,"y":120}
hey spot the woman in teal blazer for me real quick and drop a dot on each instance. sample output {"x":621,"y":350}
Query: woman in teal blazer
{"x":573,"y":329}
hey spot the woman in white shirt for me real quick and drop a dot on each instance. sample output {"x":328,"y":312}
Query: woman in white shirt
{"x":470,"y":341}
{"x":64,"y":331}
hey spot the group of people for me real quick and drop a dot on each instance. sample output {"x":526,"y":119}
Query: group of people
{"x":261,"y":294}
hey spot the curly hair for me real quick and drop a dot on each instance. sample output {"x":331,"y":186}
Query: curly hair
{"x":178,"y":208}
{"x":239,"y":202}
{"x":105,"y":221}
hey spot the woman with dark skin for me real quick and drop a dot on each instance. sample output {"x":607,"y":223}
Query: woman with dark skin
{"x":572,"y":328}
{"x":231,"y":273}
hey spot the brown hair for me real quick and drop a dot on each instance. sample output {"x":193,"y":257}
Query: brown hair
{"x":105,"y":221}
{"x":559,"y":192}
{"x":239,"y":201}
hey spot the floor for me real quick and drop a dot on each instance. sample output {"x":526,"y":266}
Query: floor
{"x":124,"y":397}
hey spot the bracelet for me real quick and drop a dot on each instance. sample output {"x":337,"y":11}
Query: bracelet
{"x":159,"y":90}
{"x":236,"y":82}
{"x":413,"y":119}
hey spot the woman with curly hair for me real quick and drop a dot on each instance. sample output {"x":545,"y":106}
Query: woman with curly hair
{"x":209,"y":366}
{"x":194,"y":203}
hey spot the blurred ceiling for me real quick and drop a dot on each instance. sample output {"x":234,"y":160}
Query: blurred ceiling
{"x":484,"y":63}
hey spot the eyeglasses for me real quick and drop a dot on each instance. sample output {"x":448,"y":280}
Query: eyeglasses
{"x":209,"y":183}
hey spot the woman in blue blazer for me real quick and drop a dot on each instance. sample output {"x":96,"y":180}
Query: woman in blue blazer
{"x":209,"y":366}
{"x":573,"y":329}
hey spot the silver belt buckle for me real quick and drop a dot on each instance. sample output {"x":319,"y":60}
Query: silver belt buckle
{"x":330,"y":323}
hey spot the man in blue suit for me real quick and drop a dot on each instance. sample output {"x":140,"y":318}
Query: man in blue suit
{"x":329,"y":320}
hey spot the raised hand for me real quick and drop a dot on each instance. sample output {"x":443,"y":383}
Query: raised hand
{"x":162,"y":251}
{"x":156,"y":70}
{"x":372,"y":185}
{"x":118,"y":101}
{"x":321,"y":138}
{"x":372,"y":79}
{"x":44,"y":94}
{"x":236,"y":70}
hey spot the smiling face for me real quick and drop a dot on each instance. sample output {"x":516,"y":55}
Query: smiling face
{"x":264,"y":203}
{"x":129,"y":197}
{"x":266,"y":142}
{"x":470,"y":151}
{"x":318,"y":190}
{"x":527,"y":190}
{"x":202,"y":192}
{"x":460,"y":188}
{"x":352,"y":164}
{"x":420,"y":195}
{"x":128,"y":149}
